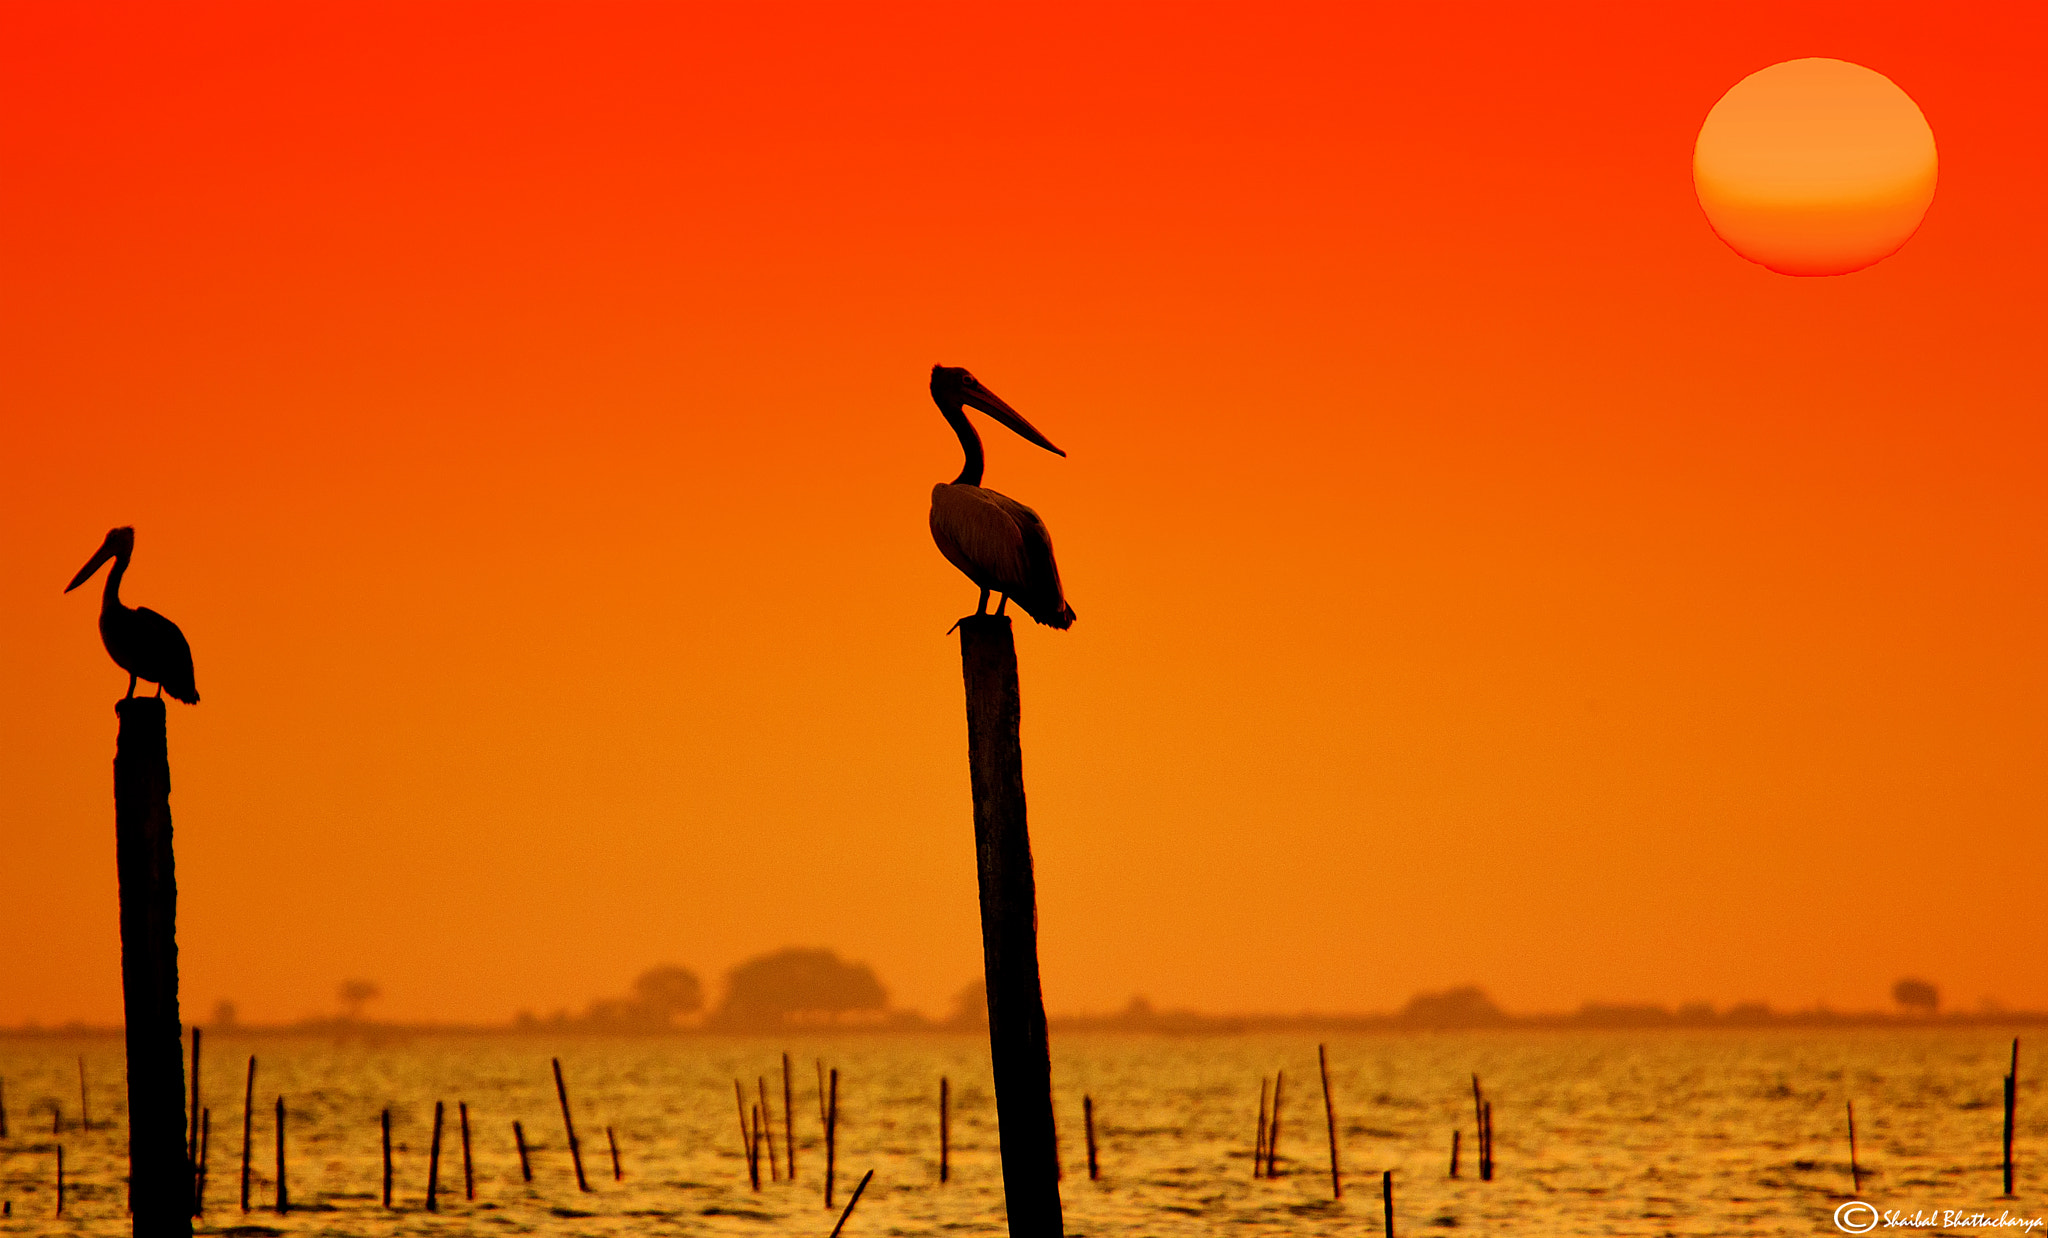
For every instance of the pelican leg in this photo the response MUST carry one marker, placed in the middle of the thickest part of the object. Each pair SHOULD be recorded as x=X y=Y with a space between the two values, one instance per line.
x=981 y=607
x=131 y=689
x=1003 y=605
x=159 y=692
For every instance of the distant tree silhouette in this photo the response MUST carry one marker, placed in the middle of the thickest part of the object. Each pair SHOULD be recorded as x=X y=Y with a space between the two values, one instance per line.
x=1917 y=995
x=796 y=986
x=1465 y=1006
x=355 y=994
x=970 y=1006
x=669 y=991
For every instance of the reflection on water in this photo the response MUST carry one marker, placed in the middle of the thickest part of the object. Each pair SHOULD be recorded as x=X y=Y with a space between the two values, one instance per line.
x=1596 y=1133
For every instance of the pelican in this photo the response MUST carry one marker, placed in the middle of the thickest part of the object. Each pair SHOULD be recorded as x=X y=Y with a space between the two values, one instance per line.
x=998 y=542
x=141 y=642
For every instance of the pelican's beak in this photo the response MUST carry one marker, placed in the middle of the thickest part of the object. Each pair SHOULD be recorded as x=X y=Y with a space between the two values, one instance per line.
x=974 y=395
x=105 y=552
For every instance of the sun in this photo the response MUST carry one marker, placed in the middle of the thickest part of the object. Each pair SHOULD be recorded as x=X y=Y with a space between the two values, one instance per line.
x=1815 y=167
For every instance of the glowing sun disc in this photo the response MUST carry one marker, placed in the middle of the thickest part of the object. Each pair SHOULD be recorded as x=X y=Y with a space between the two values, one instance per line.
x=1815 y=167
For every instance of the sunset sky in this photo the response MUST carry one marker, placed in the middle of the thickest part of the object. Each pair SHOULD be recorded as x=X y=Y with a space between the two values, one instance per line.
x=1483 y=573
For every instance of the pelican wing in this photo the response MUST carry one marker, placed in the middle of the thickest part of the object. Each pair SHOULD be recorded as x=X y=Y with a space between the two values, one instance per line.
x=1039 y=590
x=161 y=647
x=980 y=537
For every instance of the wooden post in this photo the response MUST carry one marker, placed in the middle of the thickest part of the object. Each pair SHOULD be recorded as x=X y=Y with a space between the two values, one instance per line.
x=248 y=1105
x=1088 y=1125
x=192 y=1142
x=1009 y=930
x=284 y=1199
x=2012 y=1097
x=760 y=1120
x=851 y=1202
x=821 y=1094
x=1387 y=1198
x=85 y=1109
x=1273 y=1129
x=1855 y=1171
x=768 y=1129
x=159 y=1163
x=1259 y=1147
x=1479 y=1125
x=57 y=1118
x=434 y=1164
x=569 y=1123
x=468 y=1175
x=1330 y=1112
x=945 y=1132
x=205 y=1138
x=1454 y=1154
x=3 y=1108
x=749 y=1144
x=788 y=1120
x=60 y=1180
x=1486 y=1145
x=618 y=1175
x=831 y=1137
x=387 y=1158
x=525 y=1166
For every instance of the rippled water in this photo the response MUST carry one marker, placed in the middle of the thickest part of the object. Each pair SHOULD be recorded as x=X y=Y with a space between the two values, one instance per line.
x=1596 y=1133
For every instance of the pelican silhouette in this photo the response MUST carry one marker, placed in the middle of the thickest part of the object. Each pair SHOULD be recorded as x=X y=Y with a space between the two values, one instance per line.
x=998 y=542
x=141 y=642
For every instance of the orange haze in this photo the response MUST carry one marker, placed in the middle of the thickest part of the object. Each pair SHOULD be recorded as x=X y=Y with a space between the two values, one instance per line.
x=1483 y=573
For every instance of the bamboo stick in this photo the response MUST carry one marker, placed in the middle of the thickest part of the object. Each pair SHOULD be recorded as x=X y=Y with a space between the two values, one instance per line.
x=434 y=1164
x=768 y=1129
x=832 y=1138
x=1486 y=1146
x=525 y=1165
x=788 y=1119
x=205 y=1138
x=284 y=1199
x=468 y=1176
x=851 y=1202
x=1273 y=1129
x=747 y=1141
x=85 y=1109
x=2012 y=1098
x=192 y=1142
x=1088 y=1124
x=386 y=1122
x=248 y=1109
x=945 y=1133
x=1259 y=1147
x=1330 y=1112
x=569 y=1123
x=618 y=1174
x=60 y=1179
x=1855 y=1171
x=1454 y=1154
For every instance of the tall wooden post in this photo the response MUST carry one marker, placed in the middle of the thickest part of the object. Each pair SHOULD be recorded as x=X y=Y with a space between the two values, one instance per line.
x=1009 y=930
x=160 y=1168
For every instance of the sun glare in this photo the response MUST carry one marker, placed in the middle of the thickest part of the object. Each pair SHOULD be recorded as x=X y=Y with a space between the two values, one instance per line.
x=1815 y=167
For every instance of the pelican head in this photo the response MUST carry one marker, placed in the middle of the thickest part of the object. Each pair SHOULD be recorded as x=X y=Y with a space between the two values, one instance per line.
x=120 y=544
x=953 y=387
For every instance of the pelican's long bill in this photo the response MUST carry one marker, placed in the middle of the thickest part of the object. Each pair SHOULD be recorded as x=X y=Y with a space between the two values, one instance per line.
x=974 y=395
x=104 y=553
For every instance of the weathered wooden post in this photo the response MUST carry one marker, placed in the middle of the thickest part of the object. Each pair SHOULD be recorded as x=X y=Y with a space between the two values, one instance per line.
x=387 y=1159
x=945 y=1132
x=159 y=1165
x=1009 y=930
x=469 y=1174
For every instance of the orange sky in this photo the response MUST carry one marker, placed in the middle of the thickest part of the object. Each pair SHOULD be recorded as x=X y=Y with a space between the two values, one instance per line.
x=1483 y=573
